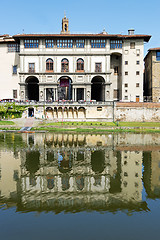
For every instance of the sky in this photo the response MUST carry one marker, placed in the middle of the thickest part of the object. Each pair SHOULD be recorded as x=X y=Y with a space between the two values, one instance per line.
x=85 y=16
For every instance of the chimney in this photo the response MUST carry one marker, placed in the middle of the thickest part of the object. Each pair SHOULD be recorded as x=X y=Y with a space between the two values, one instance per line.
x=131 y=31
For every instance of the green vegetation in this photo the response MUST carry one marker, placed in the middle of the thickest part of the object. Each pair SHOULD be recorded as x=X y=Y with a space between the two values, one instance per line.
x=11 y=110
x=3 y=122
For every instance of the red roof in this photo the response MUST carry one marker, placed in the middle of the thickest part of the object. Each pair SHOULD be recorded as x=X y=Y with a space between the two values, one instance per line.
x=154 y=49
x=145 y=37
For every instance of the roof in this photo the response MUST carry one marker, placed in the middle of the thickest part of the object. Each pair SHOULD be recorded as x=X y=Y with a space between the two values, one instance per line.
x=102 y=35
x=6 y=38
x=150 y=50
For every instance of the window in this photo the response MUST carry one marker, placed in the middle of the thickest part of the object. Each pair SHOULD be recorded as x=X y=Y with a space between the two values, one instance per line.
x=14 y=93
x=49 y=65
x=64 y=43
x=137 y=62
x=115 y=44
x=138 y=52
x=13 y=47
x=31 y=43
x=79 y=43
x=98 y=43
x=64 y=65
x=80 y=64
x=137 y=98
x=126 y=73
x=126 y=84
x=116 y=70
x=31 y=67
x=132 y=45
x=137 y=84
x=126 y=62
x=137 y=72
x=126 y=97
x=126 y=52
x=115 y=93
x=98 y=67
x=49 y=43
x=158 y=56
x=126 y=91
x=15 y=69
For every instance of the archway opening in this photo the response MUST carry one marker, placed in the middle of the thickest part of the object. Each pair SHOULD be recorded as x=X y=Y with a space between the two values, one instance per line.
x=32 y=88
x=65 y=88
x=98 y=89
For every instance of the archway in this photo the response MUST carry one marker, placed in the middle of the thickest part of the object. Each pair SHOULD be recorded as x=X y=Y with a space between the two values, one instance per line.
x=98 y=89
x=65 y=88
x=32 y=88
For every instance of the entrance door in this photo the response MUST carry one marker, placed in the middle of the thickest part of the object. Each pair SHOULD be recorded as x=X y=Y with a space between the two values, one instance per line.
x=30 y=112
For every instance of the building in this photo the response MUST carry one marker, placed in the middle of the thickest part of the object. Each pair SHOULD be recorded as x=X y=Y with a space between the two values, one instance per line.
x=50 y=67
x=152 y=75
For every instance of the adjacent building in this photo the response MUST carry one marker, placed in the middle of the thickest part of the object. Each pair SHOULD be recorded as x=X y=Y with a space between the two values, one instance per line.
x=152 y=75
x=51 y=67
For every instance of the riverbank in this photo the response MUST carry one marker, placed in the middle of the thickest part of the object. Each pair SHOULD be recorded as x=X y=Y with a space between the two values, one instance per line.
x=96 y=127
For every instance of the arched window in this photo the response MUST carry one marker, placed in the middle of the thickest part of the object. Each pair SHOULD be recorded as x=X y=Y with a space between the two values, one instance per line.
x=80 y=64
x=64 y=65
x=49 y=65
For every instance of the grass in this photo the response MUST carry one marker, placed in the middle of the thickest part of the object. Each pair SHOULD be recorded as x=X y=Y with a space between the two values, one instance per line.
x=3 y=122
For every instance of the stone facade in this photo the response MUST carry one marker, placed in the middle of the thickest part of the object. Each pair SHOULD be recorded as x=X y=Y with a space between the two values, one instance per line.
x=101 y=67
x=152 y=75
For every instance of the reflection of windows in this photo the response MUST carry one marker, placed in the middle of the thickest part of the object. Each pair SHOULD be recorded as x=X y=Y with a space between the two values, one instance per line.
x=15 y=175
x=49 y=65
x=98 y=67
x=65 y=183
x=115 y=44
x=80 y=182
x=50 y=182
x=64 y=65
x=98 y=43
x=31 y=67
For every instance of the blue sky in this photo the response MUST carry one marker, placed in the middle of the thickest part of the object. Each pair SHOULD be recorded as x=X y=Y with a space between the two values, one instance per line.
x=85 y=16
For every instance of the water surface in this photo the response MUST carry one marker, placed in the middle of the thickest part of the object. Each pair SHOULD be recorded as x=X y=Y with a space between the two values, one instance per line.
x=79 y=186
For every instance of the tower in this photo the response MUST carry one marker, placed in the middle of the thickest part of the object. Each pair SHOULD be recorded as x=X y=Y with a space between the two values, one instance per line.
x=65 y=24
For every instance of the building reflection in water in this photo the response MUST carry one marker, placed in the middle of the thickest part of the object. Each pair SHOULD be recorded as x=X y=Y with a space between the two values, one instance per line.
x=72 y=173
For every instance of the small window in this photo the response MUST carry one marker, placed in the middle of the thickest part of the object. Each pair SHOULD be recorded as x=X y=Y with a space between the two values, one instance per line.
x=99 y=108
x=31 y=67
x=126 y=91
x=137 y=84
x=115 y=93
x=49 y=65
x=126 y=73
x=126 y=84
x=126 y=97
x=98 y=67
x=132 y=45
x=137 y=73
x=64 y=65
x=158 y=56
x=126 y=62
x=138 y=52
x=137 y=98
x=14 y=93
x=116 y=70
x=15 y=69
x=137 y=62
x=80 y=64
x=80 y=43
